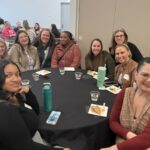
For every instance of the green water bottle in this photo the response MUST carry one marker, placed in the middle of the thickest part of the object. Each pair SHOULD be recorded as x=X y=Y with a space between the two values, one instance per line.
x=47 y=97
x=101 y=77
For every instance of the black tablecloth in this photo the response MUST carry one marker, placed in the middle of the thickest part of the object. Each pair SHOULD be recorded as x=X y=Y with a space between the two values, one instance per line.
x=75 y=128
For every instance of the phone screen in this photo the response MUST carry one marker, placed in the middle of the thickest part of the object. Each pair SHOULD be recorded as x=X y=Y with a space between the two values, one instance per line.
x=53 y=117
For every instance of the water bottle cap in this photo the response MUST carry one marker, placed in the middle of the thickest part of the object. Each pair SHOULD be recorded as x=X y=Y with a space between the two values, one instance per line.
x=102 y=68
x=46 y=83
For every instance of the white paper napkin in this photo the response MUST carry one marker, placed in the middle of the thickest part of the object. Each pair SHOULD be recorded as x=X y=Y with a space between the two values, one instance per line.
x=69 y=68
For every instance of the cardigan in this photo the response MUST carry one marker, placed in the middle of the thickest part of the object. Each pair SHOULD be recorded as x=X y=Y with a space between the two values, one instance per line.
x=125 y=73
x=141 y=141
x=17 y=55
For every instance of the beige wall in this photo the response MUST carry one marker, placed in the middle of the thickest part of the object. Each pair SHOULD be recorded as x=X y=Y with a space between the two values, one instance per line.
x=99 y=18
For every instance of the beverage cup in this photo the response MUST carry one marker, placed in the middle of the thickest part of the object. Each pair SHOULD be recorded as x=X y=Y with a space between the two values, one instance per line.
x=94 y=95
x=35 y=76
x=78 y=75
x=101 y=77
x=62 y=70
x=25 y=82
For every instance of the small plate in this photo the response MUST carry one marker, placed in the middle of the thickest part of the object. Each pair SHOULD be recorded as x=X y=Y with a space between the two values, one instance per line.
x=43 y=72
x=98 y=110
x=94 y=74
x=113 y=89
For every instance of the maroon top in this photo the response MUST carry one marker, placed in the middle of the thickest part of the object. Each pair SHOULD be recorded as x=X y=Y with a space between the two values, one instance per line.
x=140 y=142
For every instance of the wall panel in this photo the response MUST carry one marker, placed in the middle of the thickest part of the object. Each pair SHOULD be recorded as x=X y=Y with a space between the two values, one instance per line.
x=99 y=18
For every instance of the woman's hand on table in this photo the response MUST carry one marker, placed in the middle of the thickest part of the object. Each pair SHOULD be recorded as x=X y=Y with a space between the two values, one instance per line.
x=114 y=147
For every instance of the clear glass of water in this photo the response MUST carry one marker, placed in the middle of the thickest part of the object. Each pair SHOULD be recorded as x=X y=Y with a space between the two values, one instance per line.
x=25 y=82
x=78 y=75
x=94 y=95
x=62 y=70
x=35 y=76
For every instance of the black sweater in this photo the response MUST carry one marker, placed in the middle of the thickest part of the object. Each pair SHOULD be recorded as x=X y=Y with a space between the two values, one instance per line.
x=18 y=124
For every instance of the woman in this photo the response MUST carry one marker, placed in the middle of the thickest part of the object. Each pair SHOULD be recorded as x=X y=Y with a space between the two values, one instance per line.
x=18 y=26
x=130 y=116
x=18 y=111
x=55 y=31
x=37 y=28
x=120 y=37
x=67 y=53
x=125 y=70
x=98 y=57
x=23 y=53
x=3 y=50
x=29 y=30
x=45 y=44
x=7 y=31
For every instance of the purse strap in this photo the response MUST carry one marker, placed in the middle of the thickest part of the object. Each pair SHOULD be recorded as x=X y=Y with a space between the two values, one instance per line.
x=66 y=49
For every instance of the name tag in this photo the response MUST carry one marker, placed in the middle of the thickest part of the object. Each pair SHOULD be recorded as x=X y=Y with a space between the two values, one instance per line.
x=126 y=76
x=27 y=106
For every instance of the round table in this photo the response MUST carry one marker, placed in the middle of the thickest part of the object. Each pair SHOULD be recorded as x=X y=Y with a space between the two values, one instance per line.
x=72 y=98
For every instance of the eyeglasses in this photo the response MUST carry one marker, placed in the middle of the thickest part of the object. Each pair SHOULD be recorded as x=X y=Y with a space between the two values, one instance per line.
x=117 y=36
x=145 y=76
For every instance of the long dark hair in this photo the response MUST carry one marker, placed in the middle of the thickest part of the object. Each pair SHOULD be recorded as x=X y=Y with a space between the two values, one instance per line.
x=145 y=60
x=3 y=63
x=91 y=55
x=55 y=31
x=51 y=41
x=17 y=39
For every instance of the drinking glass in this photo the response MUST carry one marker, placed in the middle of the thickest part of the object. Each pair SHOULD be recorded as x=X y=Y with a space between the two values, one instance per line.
x=35 y=76
x=25 y=82
x=78 y=75
x=62 y=70
x=94 y=95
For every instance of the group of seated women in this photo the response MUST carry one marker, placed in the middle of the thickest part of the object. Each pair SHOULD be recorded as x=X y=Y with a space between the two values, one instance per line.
x=44 y=52
x=130 y=116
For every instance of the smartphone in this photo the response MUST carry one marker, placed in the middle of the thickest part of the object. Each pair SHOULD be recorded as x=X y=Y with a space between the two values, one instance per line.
x=109 y=83
x=53 y=117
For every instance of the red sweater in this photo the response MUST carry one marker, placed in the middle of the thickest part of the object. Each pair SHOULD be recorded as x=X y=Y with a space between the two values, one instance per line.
x=140 y=142
x=72 y=58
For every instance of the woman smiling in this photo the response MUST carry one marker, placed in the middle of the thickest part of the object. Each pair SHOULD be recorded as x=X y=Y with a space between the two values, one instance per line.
x=130 y=116
x=19 y=111
x=125 y=71
x=23 y=53
x=98 y=57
